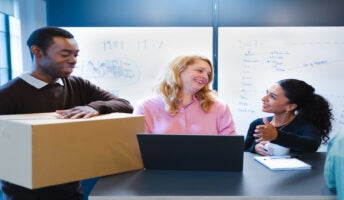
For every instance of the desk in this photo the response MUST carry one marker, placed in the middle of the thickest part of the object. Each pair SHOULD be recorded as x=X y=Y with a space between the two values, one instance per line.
x=254 y=182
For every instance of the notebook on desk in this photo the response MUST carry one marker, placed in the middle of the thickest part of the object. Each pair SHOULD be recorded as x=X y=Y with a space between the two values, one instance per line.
x=192 y=152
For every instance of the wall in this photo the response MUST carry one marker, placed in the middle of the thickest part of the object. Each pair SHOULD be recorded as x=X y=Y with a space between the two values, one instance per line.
x=251 y=59
x=176 y=13
x=31 y=15
x=281 y=13
x=195 y=13
x=129 y=13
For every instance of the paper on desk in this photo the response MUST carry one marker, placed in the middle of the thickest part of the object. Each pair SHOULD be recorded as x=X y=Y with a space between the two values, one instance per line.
x=282 y=163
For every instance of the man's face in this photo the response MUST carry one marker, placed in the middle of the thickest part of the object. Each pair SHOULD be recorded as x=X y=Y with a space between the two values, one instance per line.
x=59 y=59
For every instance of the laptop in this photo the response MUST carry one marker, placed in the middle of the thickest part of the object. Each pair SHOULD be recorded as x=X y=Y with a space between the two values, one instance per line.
x=192 y=152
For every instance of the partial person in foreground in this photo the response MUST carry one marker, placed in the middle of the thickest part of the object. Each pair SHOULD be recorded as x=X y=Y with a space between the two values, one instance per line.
x=334 y=165
x=301 y=119
x=51 y=88
x=185 y=103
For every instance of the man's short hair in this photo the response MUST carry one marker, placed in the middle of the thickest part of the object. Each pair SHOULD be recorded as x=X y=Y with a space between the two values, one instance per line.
x=43 y=37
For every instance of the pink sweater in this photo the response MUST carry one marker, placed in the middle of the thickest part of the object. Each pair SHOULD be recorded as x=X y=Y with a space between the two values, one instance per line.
x=191 y=119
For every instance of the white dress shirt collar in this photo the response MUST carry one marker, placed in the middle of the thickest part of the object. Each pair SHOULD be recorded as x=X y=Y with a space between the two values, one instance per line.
x=36 y=82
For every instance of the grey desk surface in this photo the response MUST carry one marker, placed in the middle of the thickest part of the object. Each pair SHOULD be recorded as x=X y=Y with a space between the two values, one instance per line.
x=254 y=182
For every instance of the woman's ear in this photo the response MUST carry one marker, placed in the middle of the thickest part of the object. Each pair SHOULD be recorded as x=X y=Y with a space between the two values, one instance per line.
x=291 y=106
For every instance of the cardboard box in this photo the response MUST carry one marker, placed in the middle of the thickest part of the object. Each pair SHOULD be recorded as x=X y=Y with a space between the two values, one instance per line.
x=38 y=150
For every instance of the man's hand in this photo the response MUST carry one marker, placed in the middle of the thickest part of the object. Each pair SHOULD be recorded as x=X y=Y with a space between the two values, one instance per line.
x=77 y=112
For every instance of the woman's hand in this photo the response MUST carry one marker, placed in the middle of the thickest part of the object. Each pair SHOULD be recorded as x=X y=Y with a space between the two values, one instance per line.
x=266 y=132
x=259 y=148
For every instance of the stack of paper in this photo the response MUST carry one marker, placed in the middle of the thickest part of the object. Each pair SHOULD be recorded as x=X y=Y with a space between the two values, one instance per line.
x=282 y=163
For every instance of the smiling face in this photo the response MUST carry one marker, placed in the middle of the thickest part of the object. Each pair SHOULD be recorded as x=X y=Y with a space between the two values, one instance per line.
x=275 y=101
x=58 y=60
x=195 y=76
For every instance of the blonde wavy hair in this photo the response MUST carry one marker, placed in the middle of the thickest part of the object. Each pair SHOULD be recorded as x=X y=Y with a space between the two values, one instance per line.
x=171 y=88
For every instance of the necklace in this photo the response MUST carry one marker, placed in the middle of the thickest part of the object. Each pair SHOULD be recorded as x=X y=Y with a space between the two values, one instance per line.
x=284 y=124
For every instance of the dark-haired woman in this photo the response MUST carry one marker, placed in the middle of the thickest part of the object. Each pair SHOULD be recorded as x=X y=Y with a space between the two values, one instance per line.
x=301 y=119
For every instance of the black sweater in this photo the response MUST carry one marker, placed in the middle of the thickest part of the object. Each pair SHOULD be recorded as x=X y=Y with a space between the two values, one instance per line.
x=18 y=97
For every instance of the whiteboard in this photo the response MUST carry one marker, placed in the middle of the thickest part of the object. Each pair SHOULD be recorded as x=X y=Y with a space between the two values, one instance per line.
x=251 y=59
x=129 y=61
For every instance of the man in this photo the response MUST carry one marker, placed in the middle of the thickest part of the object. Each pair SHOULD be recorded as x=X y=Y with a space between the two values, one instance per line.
x=51 y=88
x=334 y=165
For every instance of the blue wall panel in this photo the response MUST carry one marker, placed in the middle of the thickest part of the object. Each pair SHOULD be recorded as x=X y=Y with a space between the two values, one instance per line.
x=281 y=13
x=195 y=13
x=129 y=13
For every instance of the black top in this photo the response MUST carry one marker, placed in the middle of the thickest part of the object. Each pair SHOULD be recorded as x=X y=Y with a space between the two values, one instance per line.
x=299 y=135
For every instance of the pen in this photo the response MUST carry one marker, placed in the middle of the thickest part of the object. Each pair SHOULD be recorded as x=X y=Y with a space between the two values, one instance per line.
x=279 y=157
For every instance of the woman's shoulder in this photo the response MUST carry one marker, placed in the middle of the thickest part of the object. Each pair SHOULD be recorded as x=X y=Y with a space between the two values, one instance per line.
x=218 y=103
x=149 y=104
x=259 y=121
x=219 y=106
x=336 y=144
x=300 y=124
x=152 y=100
x=301 y=121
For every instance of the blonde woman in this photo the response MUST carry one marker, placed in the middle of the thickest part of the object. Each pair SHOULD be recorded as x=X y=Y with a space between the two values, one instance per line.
x=185 y=102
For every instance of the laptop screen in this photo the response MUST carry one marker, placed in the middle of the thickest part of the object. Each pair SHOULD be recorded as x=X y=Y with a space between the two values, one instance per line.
x=192 y=152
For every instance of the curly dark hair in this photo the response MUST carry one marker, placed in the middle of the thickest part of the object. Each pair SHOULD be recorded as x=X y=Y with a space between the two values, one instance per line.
x=310 y=106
